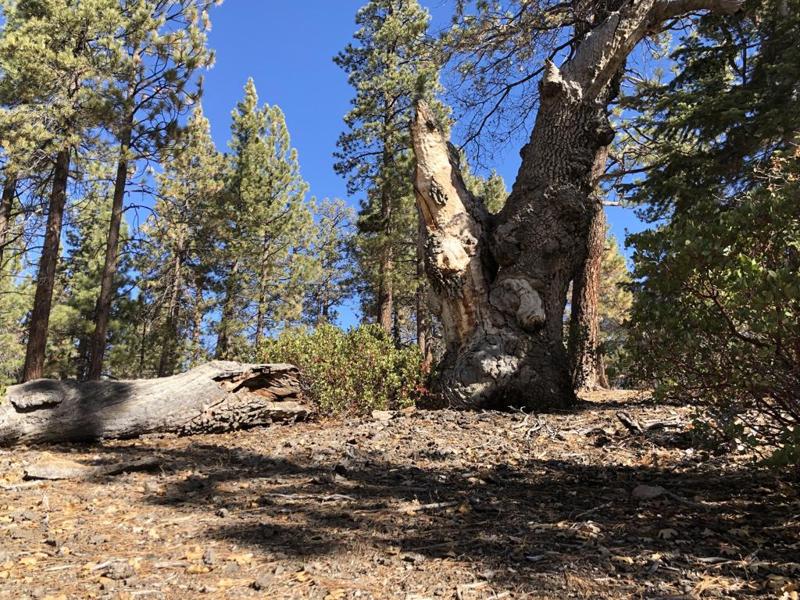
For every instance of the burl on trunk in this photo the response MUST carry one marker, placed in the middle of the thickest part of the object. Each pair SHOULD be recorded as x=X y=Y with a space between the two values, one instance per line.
x=501 y=281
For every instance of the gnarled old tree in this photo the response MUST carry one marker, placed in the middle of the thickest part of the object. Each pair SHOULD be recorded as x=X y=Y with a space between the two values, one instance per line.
x=501 y=281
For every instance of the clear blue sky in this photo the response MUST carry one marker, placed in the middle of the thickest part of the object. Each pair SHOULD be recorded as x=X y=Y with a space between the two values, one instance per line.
x=287 y=46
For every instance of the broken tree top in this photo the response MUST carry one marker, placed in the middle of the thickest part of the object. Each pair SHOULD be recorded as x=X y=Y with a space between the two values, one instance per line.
x=212 y=398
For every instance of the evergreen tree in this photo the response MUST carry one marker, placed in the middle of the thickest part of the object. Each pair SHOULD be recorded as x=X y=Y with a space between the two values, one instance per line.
x=388 y=68
x=264 y=225
x=15 y=300
x=715 y=312
x=330 y=283
x=179 y=240
x=78 y=280
x=613 y=311
x=164 y=44
x=55 y=56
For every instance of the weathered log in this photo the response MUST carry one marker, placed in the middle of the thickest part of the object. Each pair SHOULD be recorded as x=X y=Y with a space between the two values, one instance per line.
x=212 y=398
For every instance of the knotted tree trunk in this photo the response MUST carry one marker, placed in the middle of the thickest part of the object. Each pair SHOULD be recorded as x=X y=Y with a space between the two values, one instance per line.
x=502 y=281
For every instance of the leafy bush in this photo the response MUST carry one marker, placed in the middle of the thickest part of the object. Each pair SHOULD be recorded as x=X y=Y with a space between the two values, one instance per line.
x=352 y=371
x=717 y=311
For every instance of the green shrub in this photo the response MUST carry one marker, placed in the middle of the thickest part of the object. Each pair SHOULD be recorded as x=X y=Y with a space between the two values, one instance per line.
x=352 y=371
x=716 y=317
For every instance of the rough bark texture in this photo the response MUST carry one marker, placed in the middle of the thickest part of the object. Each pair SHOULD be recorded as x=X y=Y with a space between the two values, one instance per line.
x=46 y=278
x=167 y=362
x=502 y=282
x=6 y=214
x=103 y=309
x=215 y=397
x=586 y=364
x=386 y=270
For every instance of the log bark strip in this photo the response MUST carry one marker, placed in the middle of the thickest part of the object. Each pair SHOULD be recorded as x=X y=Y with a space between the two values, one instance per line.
x=212 y=398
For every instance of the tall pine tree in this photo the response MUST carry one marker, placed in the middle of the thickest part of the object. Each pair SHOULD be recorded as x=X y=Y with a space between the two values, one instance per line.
x=388 y=67
x=263 y=224
x=178 y=242
x=56 y=56
x=164 y=44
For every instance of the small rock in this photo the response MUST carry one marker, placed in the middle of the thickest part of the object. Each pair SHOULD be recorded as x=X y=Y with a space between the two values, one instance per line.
x=153 y=488
x=382 y=415
x=119 y=569
x=414 y=557
x=648 y=492
x=26 y=535
x=223 y=512
x=107 y=584
x=262 y=582
x=209 y=557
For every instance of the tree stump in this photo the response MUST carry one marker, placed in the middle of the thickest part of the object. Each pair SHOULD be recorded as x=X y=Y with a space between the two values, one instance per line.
x=213 y=398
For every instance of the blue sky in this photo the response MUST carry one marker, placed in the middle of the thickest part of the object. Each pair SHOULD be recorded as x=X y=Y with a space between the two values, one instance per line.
x=287 y=47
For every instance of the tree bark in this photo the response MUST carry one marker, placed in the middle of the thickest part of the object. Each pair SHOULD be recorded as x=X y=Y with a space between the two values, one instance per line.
x=224 y=336
x=103 y=310
x=424 y=341
x=197 y=318
x=212 y=398
x=45 y=280
x=6 y=215
x=168 y=360
x=502 y=282
x=386 y=269
x=584 y=341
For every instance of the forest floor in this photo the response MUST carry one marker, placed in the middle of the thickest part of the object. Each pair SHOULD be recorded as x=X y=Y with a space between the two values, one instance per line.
x=409 y=505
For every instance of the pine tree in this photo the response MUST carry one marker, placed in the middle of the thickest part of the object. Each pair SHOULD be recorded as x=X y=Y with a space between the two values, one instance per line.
x=55 y=56
x=179 y=240
x=77 y=284
x=15 y=299
x=388 y=68
x=715 y=311
x=79 y=276
x=264 y=224
x=613 y=311
x=330 y=283
x=164 y=44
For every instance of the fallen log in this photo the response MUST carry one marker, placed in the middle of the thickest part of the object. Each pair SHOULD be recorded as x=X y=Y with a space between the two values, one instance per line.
x=213 y=398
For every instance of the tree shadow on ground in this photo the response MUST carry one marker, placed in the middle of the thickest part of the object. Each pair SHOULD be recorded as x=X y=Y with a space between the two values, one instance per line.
x=533 y=524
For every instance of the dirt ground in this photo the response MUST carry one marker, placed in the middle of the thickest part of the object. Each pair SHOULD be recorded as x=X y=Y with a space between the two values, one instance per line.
x=409 y=505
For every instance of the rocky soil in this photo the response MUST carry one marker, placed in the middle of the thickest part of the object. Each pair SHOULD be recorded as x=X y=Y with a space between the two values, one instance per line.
x=405 y=505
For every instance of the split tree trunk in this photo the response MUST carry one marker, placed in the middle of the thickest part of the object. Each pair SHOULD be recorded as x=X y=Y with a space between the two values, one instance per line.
x=212 y=398
x=46 y=278
x=502 y=281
